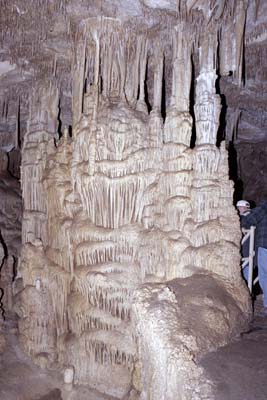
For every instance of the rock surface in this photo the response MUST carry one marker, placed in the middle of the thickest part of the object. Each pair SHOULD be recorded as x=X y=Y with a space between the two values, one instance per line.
x=179 y=321
x=235 y=372
x=117 y=111
x=238 y=371
x=20 y=379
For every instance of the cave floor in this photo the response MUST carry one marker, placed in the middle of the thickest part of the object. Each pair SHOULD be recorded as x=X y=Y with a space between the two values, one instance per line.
x=238 y=370
x=20 y=379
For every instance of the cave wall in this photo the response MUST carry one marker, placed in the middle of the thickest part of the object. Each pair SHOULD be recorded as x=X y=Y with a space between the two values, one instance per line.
x=10 y=234
x=252 y=167
x=246 y=111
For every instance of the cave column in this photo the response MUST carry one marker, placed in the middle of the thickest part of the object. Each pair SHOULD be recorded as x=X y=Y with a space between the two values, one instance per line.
x=38 y=327
x=158 y=78
x=206 y=155
x=155 y=117
x=78 y=82
x=178 y=125
x=208 y=104
x=141 y=103
x=212 y=191
x=182 y=72
x=41 y=132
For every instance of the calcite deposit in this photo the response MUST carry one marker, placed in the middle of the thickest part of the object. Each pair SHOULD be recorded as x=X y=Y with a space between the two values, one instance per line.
x=177 y=322
x=130 y=261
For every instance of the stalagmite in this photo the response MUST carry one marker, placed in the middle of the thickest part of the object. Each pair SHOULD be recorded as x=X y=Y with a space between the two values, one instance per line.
x=124 y=210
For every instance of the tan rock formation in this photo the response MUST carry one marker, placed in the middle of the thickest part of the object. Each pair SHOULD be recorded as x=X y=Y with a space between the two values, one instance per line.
x=130 y=260
x=177 y=322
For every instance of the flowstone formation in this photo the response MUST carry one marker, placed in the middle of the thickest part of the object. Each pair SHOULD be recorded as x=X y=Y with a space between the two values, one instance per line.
x=121 y=205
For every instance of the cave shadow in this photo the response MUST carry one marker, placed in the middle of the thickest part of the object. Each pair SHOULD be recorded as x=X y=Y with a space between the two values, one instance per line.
x=222 y=121
x=163 y=94
x=147 y=101
x=233 y=173
x=222 y=117
x=191 y=105
x=2 y=310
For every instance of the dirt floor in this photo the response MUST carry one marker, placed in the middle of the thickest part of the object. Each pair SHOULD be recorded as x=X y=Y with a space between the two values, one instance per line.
x=20 y=379
x=238 y=370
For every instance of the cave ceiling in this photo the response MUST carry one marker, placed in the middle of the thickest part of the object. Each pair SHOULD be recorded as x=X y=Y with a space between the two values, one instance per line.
x=38 y=38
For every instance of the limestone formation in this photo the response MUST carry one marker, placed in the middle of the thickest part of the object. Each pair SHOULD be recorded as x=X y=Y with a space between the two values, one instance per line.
x=130 y=264
x=177 y=322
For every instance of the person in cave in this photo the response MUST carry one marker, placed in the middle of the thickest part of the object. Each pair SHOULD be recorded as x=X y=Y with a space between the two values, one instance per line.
x=258 y=217
x=243 y=207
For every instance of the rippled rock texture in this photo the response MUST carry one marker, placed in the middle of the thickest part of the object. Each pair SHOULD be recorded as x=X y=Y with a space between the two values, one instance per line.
x=125 y=187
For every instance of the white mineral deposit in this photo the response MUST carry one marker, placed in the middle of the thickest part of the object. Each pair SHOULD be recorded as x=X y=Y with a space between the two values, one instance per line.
x=121 y=254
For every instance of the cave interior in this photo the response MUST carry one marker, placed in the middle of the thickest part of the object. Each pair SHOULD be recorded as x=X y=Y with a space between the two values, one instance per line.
x=128 y=131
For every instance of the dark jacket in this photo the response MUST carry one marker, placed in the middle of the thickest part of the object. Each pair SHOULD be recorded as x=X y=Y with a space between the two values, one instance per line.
x=258 y=218
x=245 y=245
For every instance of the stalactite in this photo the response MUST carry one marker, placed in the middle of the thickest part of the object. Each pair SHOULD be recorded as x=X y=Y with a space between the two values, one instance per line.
x=125 y=200
x=141 y=105
x=78 y=71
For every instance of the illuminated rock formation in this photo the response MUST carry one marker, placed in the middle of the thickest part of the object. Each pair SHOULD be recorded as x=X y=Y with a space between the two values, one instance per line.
x=119 y=212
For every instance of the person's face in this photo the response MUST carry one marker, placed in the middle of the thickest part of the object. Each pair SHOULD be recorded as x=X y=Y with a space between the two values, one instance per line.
x=242 y=209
